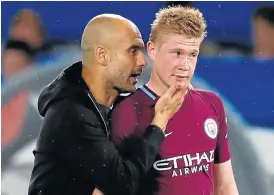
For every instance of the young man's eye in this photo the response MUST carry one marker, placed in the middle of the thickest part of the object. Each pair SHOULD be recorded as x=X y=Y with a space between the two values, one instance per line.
x=178 y=53
x=193 y=55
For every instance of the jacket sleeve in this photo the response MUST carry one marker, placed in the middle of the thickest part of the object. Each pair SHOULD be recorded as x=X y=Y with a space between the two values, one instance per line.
x=95 y=155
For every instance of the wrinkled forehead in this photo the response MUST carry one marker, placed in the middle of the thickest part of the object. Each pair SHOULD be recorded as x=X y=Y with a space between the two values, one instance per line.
x=180 y=41
x=131 y=37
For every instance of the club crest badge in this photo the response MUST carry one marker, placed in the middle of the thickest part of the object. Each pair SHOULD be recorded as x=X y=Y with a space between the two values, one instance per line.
x=211 y=128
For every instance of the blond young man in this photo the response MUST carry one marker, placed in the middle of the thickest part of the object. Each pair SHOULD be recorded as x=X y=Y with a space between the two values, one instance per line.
x=194 y=159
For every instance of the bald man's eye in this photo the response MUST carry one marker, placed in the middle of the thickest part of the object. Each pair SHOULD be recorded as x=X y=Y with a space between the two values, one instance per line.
x=133 y=51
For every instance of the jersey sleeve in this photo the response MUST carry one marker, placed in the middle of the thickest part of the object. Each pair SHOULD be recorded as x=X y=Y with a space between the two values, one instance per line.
x=222 y=153
x=123 y=121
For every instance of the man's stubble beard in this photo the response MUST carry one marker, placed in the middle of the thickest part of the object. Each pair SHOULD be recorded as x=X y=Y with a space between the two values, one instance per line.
x=123 y=83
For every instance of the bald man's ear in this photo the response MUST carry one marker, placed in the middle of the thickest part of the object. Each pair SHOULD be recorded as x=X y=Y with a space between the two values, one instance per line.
x=101 y=55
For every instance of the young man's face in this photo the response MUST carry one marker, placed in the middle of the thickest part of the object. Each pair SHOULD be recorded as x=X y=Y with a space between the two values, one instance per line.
x=174 y=60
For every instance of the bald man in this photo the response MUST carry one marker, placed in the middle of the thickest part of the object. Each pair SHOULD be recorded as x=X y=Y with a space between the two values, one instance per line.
x=74 y=154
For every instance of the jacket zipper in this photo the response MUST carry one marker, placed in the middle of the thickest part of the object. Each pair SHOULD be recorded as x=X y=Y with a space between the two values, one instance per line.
x=106 y=128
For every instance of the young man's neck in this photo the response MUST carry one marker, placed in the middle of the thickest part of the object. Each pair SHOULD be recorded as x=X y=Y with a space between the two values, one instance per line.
x=102 y=92
x=156 y=86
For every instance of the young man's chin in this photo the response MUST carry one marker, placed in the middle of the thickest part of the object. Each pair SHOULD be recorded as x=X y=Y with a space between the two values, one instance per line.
x=184 y=83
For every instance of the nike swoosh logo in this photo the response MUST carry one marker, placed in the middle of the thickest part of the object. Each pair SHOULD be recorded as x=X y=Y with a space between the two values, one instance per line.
x=168 y=134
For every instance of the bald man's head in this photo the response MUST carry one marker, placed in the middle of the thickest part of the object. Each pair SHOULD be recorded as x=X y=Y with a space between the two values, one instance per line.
x=104 y=31
x=113 y=52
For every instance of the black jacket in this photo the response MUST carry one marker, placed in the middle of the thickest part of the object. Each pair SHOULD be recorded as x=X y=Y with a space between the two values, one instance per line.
x=74 y=153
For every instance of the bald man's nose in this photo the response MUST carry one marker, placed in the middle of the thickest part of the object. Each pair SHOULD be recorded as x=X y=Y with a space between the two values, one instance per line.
x=142 y=61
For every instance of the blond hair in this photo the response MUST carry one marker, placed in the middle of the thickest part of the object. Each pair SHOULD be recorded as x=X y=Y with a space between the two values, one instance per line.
x=185 y=21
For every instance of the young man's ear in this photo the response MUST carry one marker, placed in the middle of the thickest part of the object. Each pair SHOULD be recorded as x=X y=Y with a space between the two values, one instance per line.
x=151 y=50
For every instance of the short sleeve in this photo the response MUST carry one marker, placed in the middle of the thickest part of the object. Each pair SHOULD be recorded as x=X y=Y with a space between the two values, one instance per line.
x=222 y=153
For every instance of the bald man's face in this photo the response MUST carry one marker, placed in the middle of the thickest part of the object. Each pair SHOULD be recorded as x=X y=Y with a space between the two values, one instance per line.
x=127 y=61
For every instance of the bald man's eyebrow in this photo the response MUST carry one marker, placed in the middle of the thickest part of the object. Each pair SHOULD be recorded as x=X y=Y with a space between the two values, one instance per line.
x=135 y=47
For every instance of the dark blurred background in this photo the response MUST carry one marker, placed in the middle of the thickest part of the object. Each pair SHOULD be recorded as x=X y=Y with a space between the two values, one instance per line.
x=39 y=39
